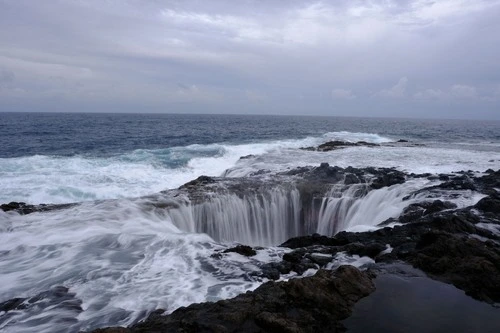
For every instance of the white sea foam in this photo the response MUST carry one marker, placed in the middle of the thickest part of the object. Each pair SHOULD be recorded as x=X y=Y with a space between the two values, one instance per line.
x=409 y=159
x=124 y=260
x=119 y=259
x=55 y=179
x=49 y=179
x=356 y=137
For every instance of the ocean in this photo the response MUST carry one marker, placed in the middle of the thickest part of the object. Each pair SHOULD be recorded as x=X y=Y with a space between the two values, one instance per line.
x=121 y=257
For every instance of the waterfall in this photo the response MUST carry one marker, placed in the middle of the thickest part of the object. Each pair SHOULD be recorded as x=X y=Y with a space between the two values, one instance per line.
x=357 y=206
x=337 y=206
x=269 y=217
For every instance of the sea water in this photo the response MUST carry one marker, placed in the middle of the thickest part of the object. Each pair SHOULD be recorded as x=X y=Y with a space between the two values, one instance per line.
x=122 y=260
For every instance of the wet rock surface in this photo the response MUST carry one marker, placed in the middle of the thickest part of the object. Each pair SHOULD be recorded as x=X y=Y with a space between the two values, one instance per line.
x=337 y=144
x=447 y=243
x=24 y=208
x=244 y=250
x=311 y=304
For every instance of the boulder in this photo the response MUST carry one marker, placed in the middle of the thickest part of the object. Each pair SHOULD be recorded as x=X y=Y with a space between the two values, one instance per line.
x=244 y=250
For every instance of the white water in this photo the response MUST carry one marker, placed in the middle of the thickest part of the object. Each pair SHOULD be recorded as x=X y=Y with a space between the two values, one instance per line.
x=119 y=259
x=49 y=179
x=124 y=258
x=268 y=218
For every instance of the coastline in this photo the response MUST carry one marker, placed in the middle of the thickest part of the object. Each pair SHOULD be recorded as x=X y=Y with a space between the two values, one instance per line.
x=455 y=245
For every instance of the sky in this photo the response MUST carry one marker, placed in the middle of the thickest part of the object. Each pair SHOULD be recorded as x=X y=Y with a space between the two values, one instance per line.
x=377 y=58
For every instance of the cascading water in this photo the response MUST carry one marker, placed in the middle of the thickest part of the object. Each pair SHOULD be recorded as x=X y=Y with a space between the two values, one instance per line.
x=336 y=207
x=270 y=217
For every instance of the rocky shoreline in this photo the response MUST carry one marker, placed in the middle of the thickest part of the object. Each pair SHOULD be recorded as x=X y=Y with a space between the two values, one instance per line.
x=457 y=246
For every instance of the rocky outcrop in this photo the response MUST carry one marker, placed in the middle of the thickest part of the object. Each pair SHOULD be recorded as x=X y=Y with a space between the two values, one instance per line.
x=244 y=250
x=313 y=304
x=24 y=208
x=449 y=244
x=444 y=245
x=420 y=209
x=337 y=144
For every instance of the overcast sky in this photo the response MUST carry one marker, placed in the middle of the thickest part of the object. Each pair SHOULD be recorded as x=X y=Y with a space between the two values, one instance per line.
x=407 y=58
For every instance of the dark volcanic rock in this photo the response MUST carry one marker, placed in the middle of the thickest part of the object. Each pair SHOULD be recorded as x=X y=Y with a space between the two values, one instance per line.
x=331 y=145
x=441 y=240
x=12 y=304
x=312 y=304
x=24 y=208
x=388 y=178
x=489 y=204
x=439 y=244
x=315 y=239
x=417 y=210
x=336 y=144
x=201 y=180
x=244 y=250
x=246 y=157
x=468 y=263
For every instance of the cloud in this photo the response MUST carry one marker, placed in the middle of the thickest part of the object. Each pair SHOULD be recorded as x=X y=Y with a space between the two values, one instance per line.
x=463 y=91
x=255 y=96
x=6 y=76
x=342 y=94
x=6 y=79
x=396 y=91
x=456 y=92
x=228 y=53
x=429 y=94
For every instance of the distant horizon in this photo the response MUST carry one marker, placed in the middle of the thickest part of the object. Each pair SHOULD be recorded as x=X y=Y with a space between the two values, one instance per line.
x=243 y=115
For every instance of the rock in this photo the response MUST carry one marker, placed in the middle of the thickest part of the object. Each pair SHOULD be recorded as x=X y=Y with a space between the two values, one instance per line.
x=246 y=157
x=273 y=270
x=369 y=250
x=389 y=178
x=368 y=144
x=305 y=241
x=417 y=210
x=467 y=263
x=201 y=180
x=462 y=182
x=402 y=140
x=437 y=243
x=489 y=204
x=308 y=148
x=312 y=304
x=337 y=144
x=244 y=250
x=24 y=208
x=12 y=304
x=441 y=240
x=351 y=178
x=438 y=205
x=332 y=145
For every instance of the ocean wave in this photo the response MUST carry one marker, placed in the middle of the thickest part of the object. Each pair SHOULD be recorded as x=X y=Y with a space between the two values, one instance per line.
x=62 y=179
